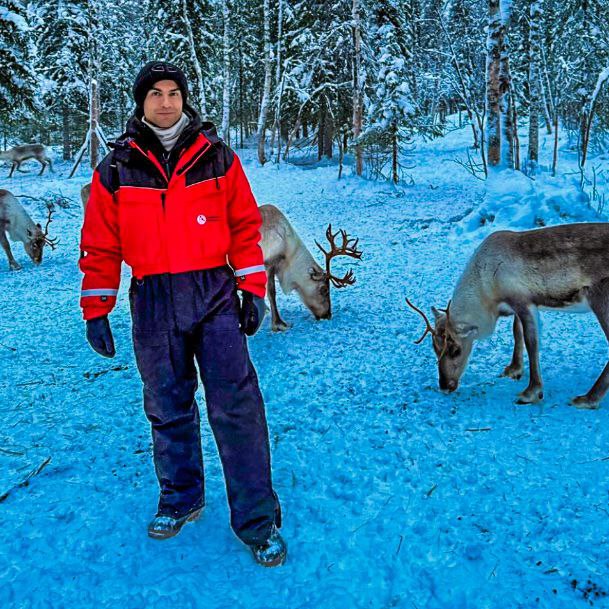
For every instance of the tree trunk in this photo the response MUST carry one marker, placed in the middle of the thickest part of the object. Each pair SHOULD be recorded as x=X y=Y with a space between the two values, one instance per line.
x=67 y=144
x=225 y=74
x=195 y=61
x=93 y=120
x=535 y=13
x=241 y=117
x=555 y=153
x=328 y=134
x=357 y=89
x=494 y=47
x=321 y=128
x=515 y=139
x=508 y=101
x=394 y=154
x=266 y=94
x=278 y=81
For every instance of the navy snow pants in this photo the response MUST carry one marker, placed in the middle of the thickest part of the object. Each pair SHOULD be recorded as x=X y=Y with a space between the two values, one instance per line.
x=178 y=319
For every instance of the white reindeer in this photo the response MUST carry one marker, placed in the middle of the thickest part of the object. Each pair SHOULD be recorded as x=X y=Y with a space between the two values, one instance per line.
x=18 y=154
x=516 y=273
x=15 y=221
x=287 y=258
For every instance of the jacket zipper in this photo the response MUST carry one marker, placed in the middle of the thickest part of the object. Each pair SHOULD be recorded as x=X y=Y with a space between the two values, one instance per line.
x=166 y=164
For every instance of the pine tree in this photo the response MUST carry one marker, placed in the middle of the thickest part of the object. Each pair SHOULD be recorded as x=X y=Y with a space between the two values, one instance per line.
x=391 y=109
x=18 y=85
x=62 y=59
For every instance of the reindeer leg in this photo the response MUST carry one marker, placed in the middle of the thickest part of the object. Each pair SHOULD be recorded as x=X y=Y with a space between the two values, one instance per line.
x=12 y=263
x=534 y=391
x=42 y=168
x=599 y=303
x=516 y=366
x=13 y=167
x=277 y=324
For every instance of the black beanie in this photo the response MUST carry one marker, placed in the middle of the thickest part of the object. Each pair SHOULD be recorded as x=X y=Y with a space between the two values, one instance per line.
x=151 y=73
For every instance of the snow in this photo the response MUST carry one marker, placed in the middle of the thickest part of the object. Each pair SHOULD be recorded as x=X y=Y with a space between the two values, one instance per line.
x=600 y=81
x=394 y=494
x=11 y=17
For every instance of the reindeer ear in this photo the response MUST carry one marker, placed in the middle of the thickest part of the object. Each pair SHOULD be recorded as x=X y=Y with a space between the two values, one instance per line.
x=436 y=313
x=466 y=331
x=39 y=226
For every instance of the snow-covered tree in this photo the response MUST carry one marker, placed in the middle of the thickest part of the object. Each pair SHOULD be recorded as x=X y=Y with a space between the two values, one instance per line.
x=62 y=40
x=391 y=107
x=18 y=83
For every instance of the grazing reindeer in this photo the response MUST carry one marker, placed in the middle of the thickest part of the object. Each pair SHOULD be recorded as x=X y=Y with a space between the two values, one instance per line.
x=18 y=154
x=286 y=257
x=15 y=221
x=561 y=267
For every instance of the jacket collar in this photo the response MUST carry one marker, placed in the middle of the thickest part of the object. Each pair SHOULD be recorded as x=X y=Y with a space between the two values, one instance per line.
x=138 y=132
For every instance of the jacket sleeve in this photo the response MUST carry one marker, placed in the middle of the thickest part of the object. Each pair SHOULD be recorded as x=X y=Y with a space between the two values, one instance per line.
x=244 y=219
x=100 y=252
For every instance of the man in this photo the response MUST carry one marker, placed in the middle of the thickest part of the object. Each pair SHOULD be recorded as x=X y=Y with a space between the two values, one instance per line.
x=173 y=202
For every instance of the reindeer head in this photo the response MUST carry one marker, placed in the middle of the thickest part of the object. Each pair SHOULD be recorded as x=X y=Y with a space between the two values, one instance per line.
x=316 y=293
x=452 y=343
x=37 y=239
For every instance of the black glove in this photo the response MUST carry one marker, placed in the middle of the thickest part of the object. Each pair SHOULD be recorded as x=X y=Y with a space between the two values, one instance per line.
x=99 y=336
x=252 y=312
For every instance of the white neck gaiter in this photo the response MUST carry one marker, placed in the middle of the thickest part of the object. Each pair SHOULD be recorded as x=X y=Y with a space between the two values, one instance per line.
x=168 y=137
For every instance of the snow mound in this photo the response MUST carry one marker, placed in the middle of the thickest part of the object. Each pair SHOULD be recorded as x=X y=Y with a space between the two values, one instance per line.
x=514 y=201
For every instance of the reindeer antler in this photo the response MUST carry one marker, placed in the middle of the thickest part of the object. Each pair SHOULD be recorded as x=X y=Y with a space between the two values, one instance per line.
x=51 y=242
x=348 y=247
x=428 y=330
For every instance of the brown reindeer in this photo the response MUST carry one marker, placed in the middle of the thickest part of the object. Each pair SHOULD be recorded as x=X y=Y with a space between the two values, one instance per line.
x=287 y=258
x=18 y=154
x=517 y=273
x=15 y=221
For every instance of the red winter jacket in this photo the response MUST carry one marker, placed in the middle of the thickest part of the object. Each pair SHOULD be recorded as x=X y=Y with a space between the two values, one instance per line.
x=197 y=215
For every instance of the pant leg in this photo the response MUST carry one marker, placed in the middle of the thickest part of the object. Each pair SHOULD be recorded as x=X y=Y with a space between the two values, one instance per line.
x=236 y=415
x=165 y=359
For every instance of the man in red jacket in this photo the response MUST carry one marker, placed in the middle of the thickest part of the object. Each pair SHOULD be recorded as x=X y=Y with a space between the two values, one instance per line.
x=173 y=202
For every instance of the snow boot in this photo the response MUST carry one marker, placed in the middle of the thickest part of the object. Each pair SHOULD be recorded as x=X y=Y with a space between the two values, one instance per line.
x=272 y=552
x=164 y=526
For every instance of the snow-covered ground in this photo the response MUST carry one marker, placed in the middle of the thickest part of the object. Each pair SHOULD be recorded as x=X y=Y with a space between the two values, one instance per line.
x=394 y=494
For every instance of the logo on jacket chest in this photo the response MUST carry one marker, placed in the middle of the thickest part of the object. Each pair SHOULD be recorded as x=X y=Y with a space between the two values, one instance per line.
x=204 y=219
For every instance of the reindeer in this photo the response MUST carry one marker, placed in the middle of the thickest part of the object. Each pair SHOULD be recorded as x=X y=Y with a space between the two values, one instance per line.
x=18 y=154
x=15 y=221
x=286 y=257
x=517 y=273
x=85 y=192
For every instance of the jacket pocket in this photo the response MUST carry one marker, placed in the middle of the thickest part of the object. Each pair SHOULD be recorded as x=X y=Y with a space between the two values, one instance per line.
x=140 y=220
x=206 y=223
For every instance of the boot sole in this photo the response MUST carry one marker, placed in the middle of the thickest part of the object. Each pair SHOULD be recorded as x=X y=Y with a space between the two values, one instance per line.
x=275 y=563
x=167 y=534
